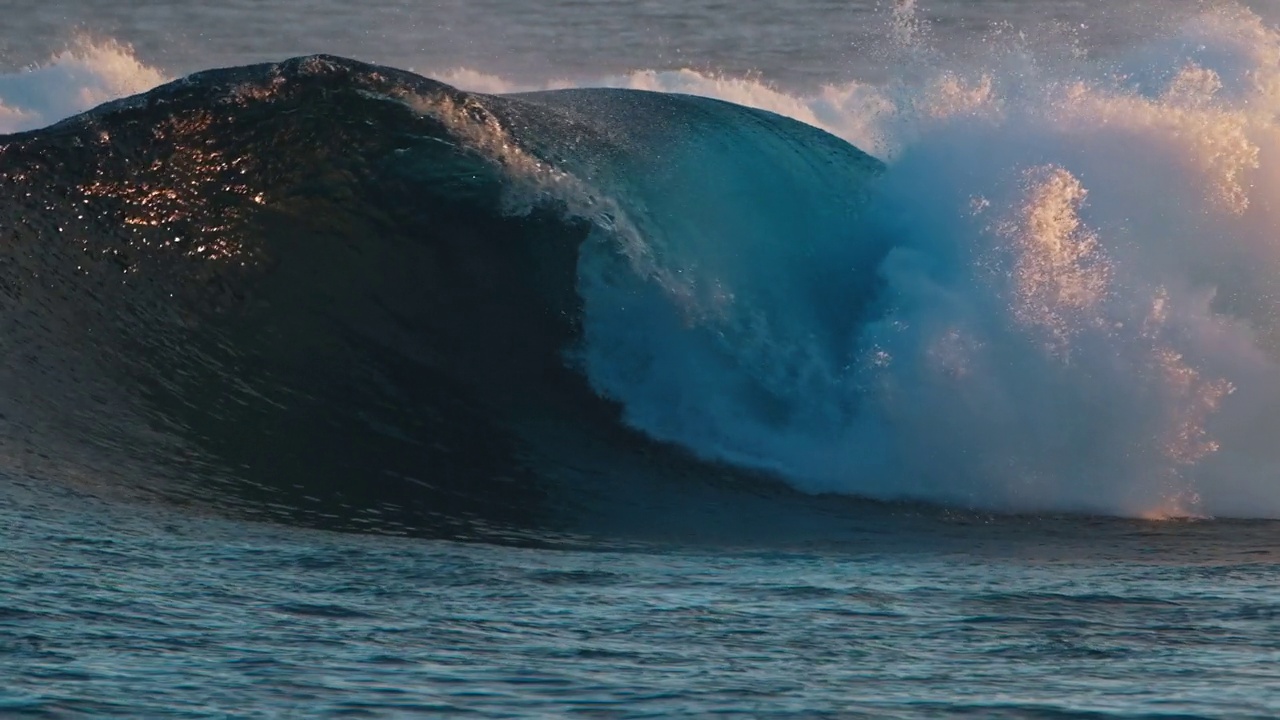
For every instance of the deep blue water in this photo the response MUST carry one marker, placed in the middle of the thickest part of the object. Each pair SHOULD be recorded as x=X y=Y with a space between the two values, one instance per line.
x=111 y=611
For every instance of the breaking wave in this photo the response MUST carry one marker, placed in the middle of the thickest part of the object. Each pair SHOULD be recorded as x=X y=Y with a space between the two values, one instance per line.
x=1056 y=293
x=86 y=74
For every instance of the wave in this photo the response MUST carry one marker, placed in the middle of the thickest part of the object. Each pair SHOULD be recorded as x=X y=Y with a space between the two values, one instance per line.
x=359 y=282
x=1054 y=293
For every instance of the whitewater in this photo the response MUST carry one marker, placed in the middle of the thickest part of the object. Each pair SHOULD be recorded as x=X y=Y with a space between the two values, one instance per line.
x=912 y=359
x=1078 y=310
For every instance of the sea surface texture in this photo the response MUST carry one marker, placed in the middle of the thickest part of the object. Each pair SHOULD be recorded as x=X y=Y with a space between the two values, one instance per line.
x=639 y=359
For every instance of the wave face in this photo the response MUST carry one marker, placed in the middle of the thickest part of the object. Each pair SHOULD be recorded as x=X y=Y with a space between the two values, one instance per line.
x=1054 y=294
x=353 y=284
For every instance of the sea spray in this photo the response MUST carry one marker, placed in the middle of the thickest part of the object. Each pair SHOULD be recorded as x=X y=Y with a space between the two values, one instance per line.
x=87 y=73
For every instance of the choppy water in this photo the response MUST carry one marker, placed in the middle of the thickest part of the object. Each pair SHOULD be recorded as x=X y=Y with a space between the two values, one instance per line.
x=1106 y=145
x=108 y=611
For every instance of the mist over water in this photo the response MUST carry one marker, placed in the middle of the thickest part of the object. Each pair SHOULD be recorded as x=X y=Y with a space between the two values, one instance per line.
x=813 y=42
x=1074 y=307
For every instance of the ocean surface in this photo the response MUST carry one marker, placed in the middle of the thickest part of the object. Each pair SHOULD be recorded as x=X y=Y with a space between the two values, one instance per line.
x=639 y=359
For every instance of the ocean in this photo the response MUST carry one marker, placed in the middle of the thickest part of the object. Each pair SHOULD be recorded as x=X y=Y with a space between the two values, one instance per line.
x=649 y=359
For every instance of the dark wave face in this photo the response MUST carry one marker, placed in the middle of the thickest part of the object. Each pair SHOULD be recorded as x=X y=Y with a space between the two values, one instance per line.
x=355 y=296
